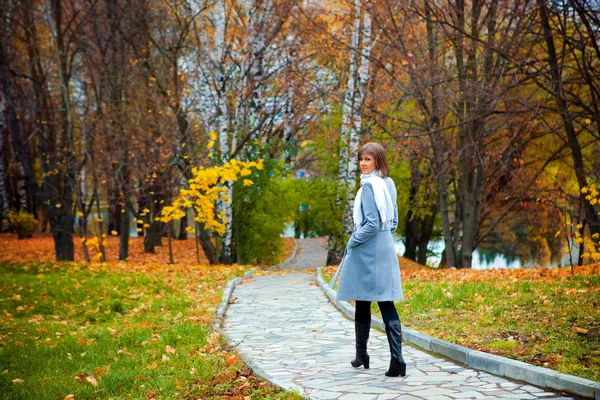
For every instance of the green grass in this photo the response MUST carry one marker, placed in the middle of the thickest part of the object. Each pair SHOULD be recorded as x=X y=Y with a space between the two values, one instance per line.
x=99 y=334
x=532 y=320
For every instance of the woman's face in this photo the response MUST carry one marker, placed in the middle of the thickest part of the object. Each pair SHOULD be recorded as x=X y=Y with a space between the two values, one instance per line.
x=366 y=163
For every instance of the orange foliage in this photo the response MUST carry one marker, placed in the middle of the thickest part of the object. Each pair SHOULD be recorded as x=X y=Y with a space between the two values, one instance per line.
x=471 y=275
x=411 y=270
x=41 y=248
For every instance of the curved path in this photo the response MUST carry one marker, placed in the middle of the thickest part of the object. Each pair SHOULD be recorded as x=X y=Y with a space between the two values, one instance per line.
x=286 y=329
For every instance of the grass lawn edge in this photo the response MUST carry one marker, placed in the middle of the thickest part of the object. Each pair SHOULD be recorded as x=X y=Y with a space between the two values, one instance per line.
x=494 y=364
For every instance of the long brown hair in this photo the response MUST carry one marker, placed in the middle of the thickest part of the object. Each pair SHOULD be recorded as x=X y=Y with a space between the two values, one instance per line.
x=378 y=152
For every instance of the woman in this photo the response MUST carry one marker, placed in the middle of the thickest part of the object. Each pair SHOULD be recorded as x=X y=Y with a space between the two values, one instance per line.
x=371 y=271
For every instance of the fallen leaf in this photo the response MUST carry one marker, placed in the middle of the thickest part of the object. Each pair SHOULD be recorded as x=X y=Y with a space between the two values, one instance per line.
x=230 y=359
x=580 y=331
x=170 y=350
x=69 y=397
x=17 y=381
x=93 y=381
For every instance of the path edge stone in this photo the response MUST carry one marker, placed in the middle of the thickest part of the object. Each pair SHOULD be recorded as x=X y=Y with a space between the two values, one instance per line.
x=220 y=315
x=496 y=365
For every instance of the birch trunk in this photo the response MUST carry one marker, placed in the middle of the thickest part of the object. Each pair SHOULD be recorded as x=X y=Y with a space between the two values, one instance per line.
x=349 y=98
x=223 y=125
x=289 y=101
x=257 y=20
x=351 y=126
x=356 y=114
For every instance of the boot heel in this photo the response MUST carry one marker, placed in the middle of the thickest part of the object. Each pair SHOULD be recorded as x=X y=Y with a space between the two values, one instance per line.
x=402 y=368
x=360 y=361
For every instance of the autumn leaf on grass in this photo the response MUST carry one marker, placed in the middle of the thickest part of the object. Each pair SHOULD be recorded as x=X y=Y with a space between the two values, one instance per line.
x=92 y=380
x=99 y=371
x=82 y=378
x=478 y=298
x=170 y=350
x=580 y=331
x=69 y=397
x=230 y=359
x=17 y=381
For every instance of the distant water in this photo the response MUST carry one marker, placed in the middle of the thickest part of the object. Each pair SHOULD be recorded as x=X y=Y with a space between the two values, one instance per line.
x=483 y=259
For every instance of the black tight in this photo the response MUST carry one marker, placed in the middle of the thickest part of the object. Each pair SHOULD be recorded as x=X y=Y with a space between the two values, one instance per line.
x=363 y=311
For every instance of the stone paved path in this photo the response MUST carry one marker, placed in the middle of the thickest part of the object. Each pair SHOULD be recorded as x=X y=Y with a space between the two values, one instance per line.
x=312 y=253
x=291 y=335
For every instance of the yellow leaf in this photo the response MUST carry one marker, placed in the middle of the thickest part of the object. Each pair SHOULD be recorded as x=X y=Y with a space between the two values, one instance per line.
x=114 y=233
x=58 y=205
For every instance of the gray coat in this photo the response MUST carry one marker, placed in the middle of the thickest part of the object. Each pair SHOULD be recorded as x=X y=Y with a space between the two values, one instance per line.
x=370 y=270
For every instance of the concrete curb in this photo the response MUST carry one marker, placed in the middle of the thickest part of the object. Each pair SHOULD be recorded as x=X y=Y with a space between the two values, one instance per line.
x=501 y=366
x=236 y=281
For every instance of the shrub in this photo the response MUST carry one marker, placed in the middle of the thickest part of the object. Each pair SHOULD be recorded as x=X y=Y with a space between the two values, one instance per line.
x=260 y=214
x=23 y=223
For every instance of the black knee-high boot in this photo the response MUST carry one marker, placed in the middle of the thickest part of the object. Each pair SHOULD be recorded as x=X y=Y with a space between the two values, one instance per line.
x=394 y=336
x=361 y=332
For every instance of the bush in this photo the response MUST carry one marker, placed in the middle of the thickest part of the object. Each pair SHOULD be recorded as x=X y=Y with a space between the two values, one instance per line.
x=23 y=223
x=260 y=214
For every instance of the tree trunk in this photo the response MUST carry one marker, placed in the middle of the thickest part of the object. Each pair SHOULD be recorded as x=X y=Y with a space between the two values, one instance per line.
x=356 y=113
x=155 y=232
x=348 y=105
x=10 y=117
x=183 y=224
x=591 y=213
x=411 y=229
x=62 y=232
x=427 y=224
x=207 y=245
x=65 y=145
x=437 y=142
x=125 y=232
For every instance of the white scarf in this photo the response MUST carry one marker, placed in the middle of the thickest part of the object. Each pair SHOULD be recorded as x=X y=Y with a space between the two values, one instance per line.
x=383 y=199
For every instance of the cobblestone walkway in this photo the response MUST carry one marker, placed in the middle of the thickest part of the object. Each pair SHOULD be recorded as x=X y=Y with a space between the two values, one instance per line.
x=286 y=329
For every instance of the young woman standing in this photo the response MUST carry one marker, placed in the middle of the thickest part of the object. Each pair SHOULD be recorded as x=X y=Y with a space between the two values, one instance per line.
x=371 y=271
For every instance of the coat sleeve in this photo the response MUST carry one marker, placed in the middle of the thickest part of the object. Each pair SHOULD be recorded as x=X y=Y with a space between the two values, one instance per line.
x=370 y=224
x=394 y=198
